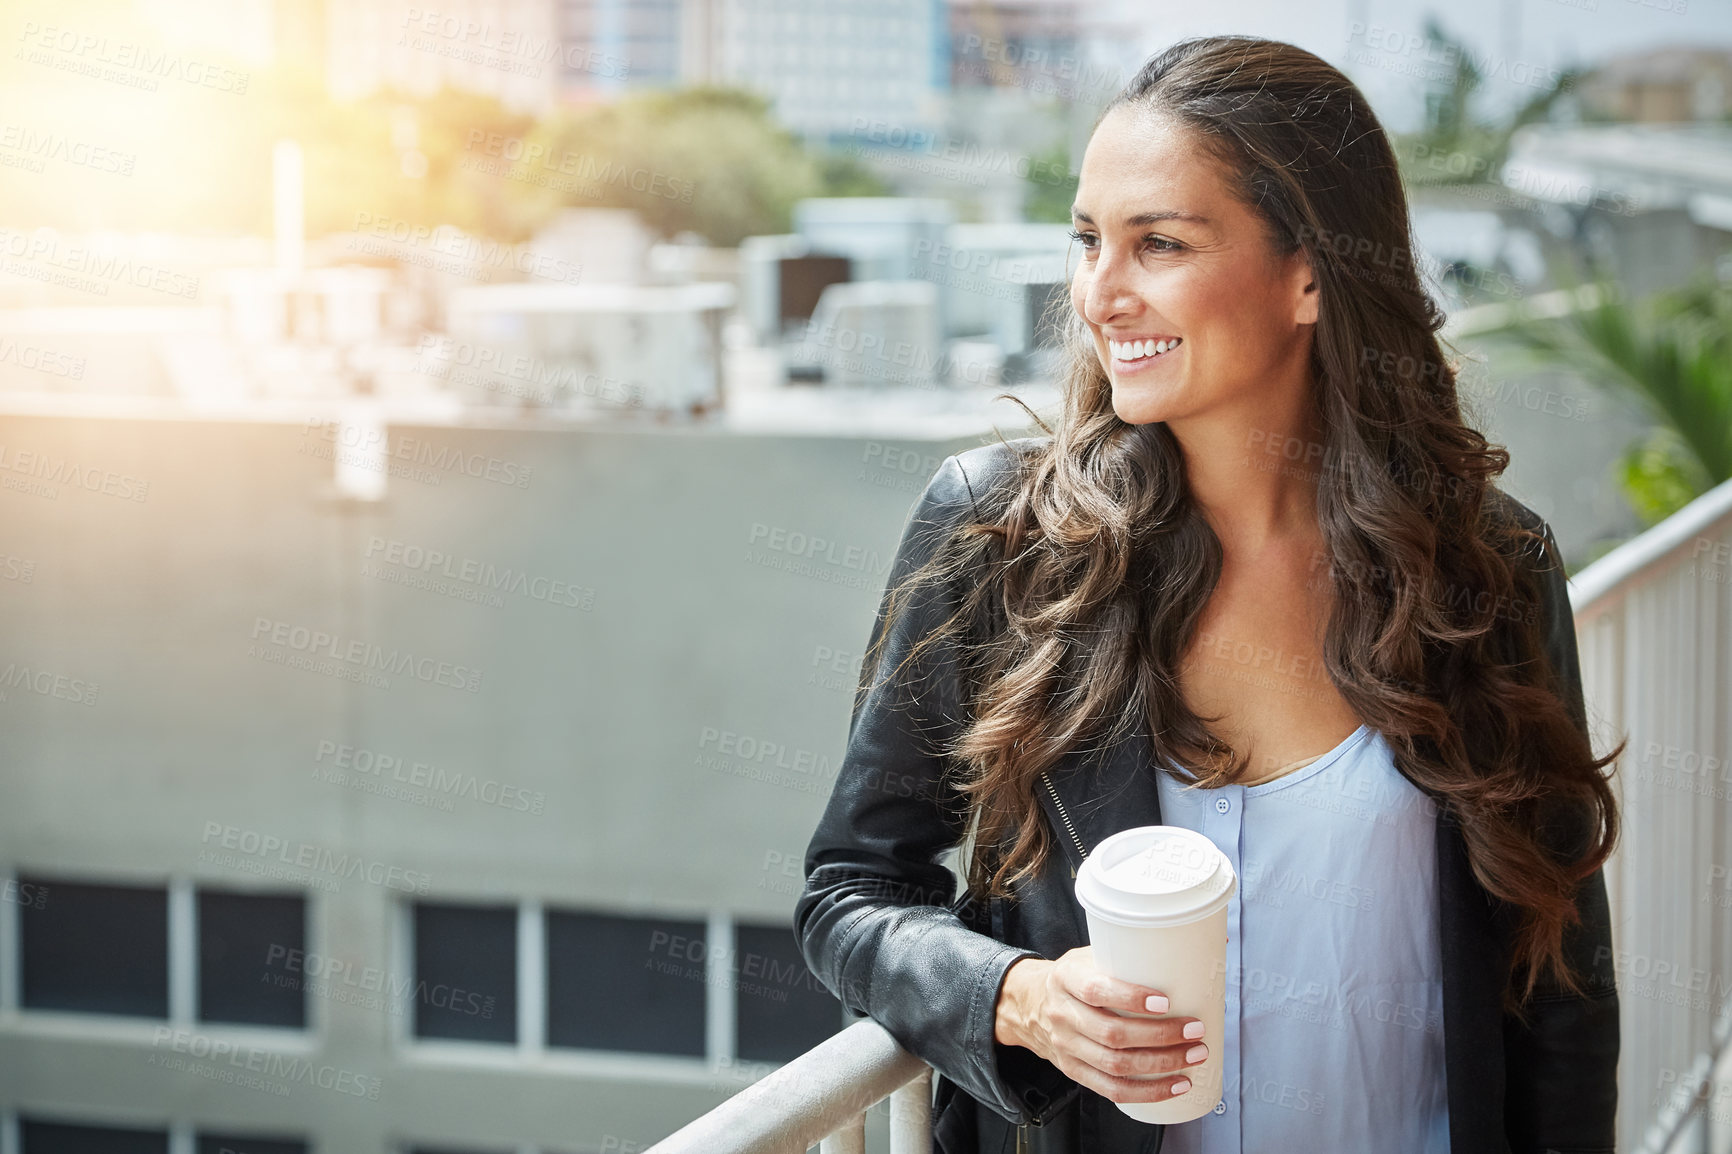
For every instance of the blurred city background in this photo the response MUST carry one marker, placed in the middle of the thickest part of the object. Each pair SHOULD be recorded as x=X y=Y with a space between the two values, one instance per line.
x=450 y=457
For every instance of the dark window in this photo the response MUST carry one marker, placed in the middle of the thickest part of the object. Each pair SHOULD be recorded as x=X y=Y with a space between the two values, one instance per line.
x=95 y=949
x=250 y=955
x=466 y=972
x=782 y=1009
x=617 y=983
x=54 y=1138
x=803 y=279
x=229 y=1144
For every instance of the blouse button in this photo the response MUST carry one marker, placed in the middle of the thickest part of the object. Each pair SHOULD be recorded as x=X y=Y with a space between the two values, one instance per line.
x=1221 y=1107
x=1222 y=805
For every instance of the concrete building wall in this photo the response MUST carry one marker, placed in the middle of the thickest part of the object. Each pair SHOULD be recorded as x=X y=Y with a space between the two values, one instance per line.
x=182 y=609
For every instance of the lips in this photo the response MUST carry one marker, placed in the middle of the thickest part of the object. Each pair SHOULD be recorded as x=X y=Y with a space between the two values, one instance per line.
x=1132 y=352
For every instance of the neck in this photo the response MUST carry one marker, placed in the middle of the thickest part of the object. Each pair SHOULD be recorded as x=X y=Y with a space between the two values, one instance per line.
x=1254 y=470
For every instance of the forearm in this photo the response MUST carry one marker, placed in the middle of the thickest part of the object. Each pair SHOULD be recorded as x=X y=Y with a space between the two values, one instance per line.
x=877 y=921
x=918 y=971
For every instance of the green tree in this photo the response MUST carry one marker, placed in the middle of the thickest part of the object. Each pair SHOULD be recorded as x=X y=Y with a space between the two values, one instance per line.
x=844 y=174
x=707 y=160
x=1456 y=145
x=1448 y=106
x=419 y=160
x=443 y=153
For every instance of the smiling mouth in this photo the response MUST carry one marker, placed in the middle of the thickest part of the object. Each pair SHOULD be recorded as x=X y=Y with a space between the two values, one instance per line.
x=1129 y=353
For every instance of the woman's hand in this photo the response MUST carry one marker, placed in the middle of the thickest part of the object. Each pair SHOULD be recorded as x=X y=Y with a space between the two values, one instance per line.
x=1063 y=1011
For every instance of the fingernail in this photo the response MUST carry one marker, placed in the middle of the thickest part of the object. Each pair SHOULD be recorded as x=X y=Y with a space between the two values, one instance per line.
x=1193 y=1029
x=1157 y=1003
x=1197 y=1053
x=1181 y=1086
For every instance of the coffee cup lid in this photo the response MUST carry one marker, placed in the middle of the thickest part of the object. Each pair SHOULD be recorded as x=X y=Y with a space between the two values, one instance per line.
x=1155 y=875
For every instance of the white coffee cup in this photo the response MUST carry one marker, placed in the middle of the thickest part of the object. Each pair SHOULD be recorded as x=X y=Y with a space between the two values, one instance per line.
x=1156 y=898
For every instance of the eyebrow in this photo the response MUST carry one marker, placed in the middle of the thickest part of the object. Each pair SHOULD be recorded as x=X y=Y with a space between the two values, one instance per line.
x=1143 y=218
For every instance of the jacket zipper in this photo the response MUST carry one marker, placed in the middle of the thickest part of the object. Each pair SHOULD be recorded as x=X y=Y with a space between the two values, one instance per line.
x=1037 y=1120
x=1066 y=816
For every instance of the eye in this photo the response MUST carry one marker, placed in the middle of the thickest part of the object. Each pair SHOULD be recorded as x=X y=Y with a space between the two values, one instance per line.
x=1090 y=242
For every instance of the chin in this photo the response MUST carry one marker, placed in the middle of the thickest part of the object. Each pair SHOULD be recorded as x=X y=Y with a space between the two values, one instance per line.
x=1134 y=409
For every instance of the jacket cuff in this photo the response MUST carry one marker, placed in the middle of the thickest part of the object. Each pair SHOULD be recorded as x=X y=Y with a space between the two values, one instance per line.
x=1035 y=1083
x=1027 y=1087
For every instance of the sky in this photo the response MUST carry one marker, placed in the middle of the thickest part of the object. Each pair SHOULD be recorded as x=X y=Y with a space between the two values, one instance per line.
x=1521 y=39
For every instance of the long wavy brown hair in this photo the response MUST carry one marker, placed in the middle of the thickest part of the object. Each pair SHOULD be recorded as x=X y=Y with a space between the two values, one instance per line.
x=1089 y=573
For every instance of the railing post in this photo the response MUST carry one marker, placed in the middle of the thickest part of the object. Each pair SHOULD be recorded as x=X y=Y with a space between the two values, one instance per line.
x=911 y=1116
x=849 y=1138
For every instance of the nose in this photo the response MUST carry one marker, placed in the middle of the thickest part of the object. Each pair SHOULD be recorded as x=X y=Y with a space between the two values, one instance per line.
x=1107 y=294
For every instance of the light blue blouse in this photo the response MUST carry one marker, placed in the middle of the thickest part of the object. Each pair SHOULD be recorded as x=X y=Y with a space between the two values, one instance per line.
x=1334 y=972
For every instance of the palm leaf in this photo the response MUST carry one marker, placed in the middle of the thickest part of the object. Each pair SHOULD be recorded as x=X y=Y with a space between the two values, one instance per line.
x=1670 y=355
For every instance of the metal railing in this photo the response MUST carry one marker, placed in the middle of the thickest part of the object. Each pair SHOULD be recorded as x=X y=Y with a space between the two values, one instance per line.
x=1654 y=632
x=821 y=1097
x=1696 y=1098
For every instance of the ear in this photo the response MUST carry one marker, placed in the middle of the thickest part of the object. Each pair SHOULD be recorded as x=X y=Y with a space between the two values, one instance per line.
x=1305 y=292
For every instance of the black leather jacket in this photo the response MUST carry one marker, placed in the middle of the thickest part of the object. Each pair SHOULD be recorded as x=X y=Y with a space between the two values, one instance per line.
x=880 y=924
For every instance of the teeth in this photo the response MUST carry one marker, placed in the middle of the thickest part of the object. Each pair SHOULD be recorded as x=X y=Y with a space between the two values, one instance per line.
x=1138 y=350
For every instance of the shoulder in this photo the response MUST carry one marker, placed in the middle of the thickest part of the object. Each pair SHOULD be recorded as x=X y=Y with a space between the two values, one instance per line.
x=1539 y=548
x=962 y=489
x=1542 y=560
x=1510 y=509
x=985 y=469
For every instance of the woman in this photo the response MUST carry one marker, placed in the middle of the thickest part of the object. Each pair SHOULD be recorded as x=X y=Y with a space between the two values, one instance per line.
x=1257 y=582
